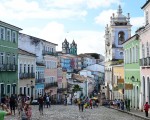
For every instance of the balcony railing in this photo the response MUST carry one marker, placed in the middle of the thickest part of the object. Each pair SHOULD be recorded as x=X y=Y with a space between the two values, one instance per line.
x=8 y=67
x=26 y=75
x=145 y=62
x=49 y=53
x=48 y=85
x=40 y=80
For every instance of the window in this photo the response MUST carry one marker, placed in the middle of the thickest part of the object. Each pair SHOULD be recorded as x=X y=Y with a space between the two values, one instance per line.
x=31 y=68
x=8 y=59
x=147 y=50
x=137 y=53
x=130 y=55
x=8 y=35
x=20 y=68
x=146 y=17
x=14 y=59
x=1 y=58
x=24 y=68
x=8 y=89
x=121 y=37
x=2 y=33
x=143 y=51
x=20 y=90
x=28 y=91
x=28 y=68
x=14 y=37
x=24 y=90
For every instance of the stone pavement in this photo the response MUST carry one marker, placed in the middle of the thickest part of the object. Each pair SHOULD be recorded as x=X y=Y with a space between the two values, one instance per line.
x=134 y=112
x=60 y=112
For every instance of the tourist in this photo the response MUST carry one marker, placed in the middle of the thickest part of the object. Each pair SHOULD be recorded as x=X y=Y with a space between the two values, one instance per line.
x=79 y=103
x=28 y=110
x=4 y=112
x=82 y=105
x=41 y=102
x=12 y=103
x=146 y=108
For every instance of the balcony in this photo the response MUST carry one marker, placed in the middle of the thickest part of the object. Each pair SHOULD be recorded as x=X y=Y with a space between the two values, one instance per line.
x=40 y=80
x=26 y=75
x=8 y=67
x=2 y=67
x=49 y=85
x=145 y=62
x=49 y=53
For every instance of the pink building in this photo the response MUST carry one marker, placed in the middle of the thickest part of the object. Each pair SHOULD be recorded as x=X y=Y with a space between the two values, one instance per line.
x=144 y=33
x=51 y=75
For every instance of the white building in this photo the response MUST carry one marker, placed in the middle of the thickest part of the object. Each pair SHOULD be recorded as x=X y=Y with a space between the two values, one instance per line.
x=27 y=73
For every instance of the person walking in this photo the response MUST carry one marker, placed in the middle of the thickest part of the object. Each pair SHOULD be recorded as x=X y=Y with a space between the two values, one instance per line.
x=28 y=110
x=79 y=102
x=12 y=104
x=146 y=108
x=6 y=111
x=91 y=103
x=82 y=105
x=47 y=101
x=41 y=101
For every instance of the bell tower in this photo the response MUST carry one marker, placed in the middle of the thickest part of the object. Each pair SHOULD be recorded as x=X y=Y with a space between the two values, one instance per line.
x=65 y=47
x=73 y=48
x=116 y=33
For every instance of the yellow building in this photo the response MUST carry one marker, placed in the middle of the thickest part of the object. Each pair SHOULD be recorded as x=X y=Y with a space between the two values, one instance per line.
x=118 y=82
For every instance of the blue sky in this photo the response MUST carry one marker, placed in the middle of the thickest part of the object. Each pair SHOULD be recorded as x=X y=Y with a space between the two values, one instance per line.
x=81 y=20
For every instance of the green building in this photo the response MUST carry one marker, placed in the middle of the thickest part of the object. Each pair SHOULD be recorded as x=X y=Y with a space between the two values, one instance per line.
x=8 y=59
x=132 y=70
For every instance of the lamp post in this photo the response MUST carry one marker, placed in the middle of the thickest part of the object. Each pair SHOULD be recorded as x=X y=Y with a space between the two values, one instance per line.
x=32 y=86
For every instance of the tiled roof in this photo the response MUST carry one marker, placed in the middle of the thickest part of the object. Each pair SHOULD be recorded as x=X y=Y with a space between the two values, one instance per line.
x=23 y=52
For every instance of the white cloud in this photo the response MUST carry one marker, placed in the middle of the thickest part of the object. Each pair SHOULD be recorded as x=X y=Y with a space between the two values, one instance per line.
x=137 y=21
x=104 y=17
x=101 y=3
x=87 y=41
x=22 y=9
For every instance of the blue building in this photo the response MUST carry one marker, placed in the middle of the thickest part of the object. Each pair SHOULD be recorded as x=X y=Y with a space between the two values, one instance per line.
x=39 y=83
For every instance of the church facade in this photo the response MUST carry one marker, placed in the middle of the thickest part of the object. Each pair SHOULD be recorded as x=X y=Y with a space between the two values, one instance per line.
x=116 y=33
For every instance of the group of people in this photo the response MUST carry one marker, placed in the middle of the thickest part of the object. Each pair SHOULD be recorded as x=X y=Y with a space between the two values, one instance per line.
x=87 y=103
x=9 y=105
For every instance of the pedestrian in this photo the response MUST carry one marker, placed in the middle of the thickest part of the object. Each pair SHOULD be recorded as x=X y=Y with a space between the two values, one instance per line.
x=79 y=102
x=6 y=111
x=47 y=101
x=91 y=103
x=12 y=104
x=28 y=110
x=82 y=105
x=41 y=101
x=146 y=108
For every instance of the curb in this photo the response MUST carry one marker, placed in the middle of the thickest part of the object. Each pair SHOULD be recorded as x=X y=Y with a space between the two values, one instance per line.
x=133 y=114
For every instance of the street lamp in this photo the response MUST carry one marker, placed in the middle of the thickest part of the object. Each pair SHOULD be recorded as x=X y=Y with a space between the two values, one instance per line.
x=32 y=90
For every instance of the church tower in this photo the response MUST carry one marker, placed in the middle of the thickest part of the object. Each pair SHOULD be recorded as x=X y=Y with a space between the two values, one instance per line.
x=116 y=33
x=65 y=47
x=73 y=48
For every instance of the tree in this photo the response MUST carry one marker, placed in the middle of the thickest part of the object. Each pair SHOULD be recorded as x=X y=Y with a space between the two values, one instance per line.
x=76 y=88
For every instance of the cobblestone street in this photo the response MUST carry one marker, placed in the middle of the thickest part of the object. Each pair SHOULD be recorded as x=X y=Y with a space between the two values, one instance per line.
x=60 y=112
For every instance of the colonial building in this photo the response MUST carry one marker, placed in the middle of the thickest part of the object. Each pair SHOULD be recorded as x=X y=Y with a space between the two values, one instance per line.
x=132 y=70
x=8 y=58
x=116 y=33
x=69 y=49
x=27 y=68
x=40 y=79
x=46 y=55
x=144 y=33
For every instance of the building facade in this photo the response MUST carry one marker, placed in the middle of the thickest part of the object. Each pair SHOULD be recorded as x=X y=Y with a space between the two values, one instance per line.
x=132 y=70
x=144 y=33
x=8 y=59
x=115 y=34
x=118 y=82
x=26 y=70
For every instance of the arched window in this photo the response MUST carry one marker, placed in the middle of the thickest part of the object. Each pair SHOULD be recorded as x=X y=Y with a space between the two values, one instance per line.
x=121 y=37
